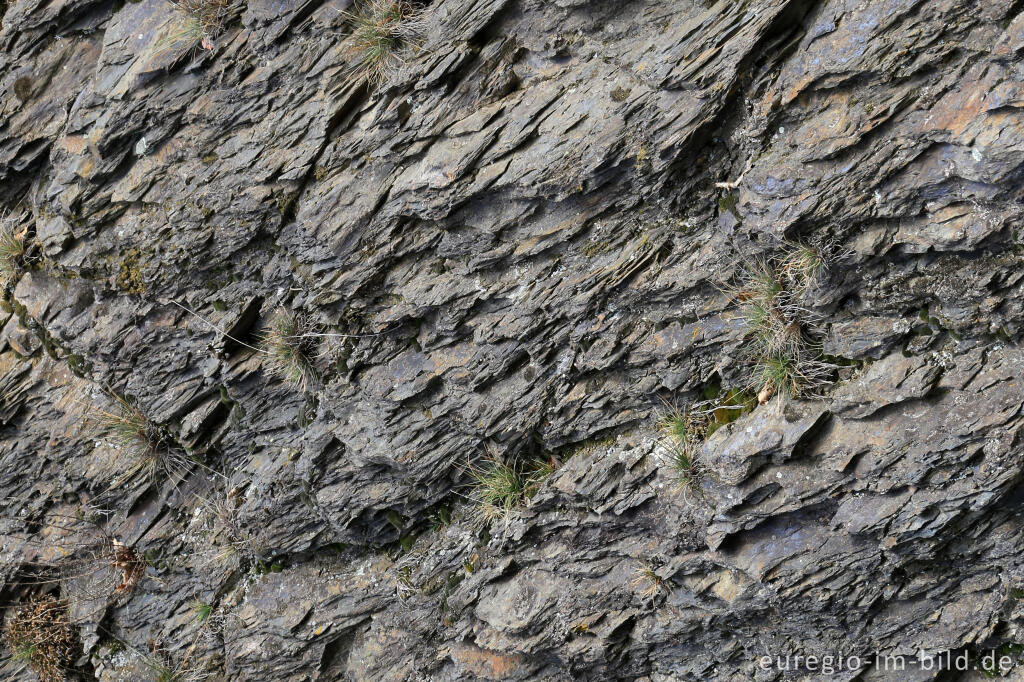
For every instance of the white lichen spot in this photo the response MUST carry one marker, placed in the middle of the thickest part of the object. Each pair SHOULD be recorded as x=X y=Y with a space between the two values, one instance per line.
x=901 y=326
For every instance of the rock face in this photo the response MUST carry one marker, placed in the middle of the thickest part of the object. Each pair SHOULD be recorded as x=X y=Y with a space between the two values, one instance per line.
x=519 y=245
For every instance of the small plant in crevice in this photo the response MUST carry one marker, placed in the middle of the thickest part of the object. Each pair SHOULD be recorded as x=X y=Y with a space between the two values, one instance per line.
x=201 y=611
x=542 y=467
x=646 y=582
x=499 y=487
x=204 y=21
x=683 y=434
x=801 y=265
x=41 y=637
x=105 y=573
x=129 y=564
x=12 y=252
x=794 y=374
x=674 y=425
x=147 y=446
x=684 y=431
x=128 y=426
x=781 y=340
x=163 y=669
x=224 y=530
x=777 y=373
x=290 y=344
x=405 y=584
x=440 y=518
x=210 y=618
x=773 y=320
x=383 y=33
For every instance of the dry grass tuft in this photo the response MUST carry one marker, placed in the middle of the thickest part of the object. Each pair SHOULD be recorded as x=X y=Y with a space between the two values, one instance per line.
x=801 y=265
x=41 y=636
x=383 y=32
x=12 y=247
x=230 y=534
x=146 y=445
x=128 y=426
x=646 y=582
x=780 y=332
x=164 y=669
x=205 y=19
x=290 y=343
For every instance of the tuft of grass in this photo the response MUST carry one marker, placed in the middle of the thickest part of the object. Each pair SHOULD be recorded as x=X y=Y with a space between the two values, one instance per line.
x=542 y=468
x=200 y=610
x=793 y=376
x=145 y=443
x=776 y=332
x=129 y=428
x=781 y=340
x=674 y=426
x=684 y=463
x=204 y=21
x=646 y=581
x=383 y=31
x=773 y=321
x=12 y=247
x=763 y=304
x=163 y=669
x=41 y=636
x=228 y=533
x=761 y=285
x=777 y=374
x=682 y=434
x=12 y=250
x=800 y=264
x=188 y=34
x=24 y=653
x=499 y=487
x=290 y=344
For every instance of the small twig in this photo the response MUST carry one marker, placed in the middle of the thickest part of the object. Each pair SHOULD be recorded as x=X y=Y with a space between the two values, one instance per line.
x=735 y=183
x=294 y=336
x=219 y=330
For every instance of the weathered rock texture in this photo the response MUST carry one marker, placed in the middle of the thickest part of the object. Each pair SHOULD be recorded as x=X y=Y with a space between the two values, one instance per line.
x=520 y=247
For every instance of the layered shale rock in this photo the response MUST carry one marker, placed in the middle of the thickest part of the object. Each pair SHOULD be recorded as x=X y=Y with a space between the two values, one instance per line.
x=519 y=247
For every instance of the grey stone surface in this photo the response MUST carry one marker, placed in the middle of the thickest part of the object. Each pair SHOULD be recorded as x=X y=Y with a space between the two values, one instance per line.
x=520 y=248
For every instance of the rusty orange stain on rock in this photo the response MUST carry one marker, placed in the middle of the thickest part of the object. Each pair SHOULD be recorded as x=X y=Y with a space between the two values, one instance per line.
x=73 y=144
x=486 y=663
x=958 y=111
